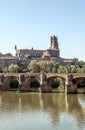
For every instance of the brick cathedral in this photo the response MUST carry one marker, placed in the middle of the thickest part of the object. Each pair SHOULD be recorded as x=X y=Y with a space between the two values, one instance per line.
x=53 y=53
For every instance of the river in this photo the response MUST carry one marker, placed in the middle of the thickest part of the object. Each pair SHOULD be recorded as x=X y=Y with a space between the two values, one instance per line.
x=37 y=111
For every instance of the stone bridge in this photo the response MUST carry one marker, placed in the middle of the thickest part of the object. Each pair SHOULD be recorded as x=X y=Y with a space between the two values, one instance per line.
x=45 y=80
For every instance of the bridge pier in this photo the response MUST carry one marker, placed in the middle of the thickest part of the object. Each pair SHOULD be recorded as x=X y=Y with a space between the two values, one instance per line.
x=45 y=88
x=24 y=84
x=0 y=82
x=72 y=85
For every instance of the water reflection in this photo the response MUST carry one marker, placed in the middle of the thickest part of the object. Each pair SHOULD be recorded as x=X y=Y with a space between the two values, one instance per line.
x=76 y=109
x=55 y=105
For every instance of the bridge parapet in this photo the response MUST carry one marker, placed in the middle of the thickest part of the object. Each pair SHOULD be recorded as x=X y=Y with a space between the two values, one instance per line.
x=78 y=75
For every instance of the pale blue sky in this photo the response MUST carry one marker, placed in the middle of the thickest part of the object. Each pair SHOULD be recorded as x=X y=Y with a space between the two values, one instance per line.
x=28 y=23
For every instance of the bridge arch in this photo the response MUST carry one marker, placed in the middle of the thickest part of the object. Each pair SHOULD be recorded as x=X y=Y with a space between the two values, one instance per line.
x=61 y=75
x=80 y=81
x=14 y=83
x=26 y=81
x=74 y=82
x=56 y=80
x=10 y=82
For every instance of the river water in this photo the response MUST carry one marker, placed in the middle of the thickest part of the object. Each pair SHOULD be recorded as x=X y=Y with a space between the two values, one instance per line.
x=37 y=111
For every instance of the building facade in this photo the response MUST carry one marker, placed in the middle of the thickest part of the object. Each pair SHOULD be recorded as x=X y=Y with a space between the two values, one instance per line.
x=52 y=52
x=24 y=56
x=6 y=61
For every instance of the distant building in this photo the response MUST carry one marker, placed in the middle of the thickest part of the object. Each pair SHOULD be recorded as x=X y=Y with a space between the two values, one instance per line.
x=53 y=51
x=5 y=55
x=24 y=56
x=6 y=61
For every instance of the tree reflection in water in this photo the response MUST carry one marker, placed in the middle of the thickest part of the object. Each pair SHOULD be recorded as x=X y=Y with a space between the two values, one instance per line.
x=52 y=104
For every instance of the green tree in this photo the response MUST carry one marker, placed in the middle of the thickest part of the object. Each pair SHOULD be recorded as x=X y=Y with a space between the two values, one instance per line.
x=5 y=69
x=73 y=68
x=13 y=68
x=62 y=69
x=83 y=68
x=75 y=61
x=43 y=66
x=81 y=63
x=49 y=66
x=78 y=70
x=34 y=66
x=68 y=68
x=55 y=67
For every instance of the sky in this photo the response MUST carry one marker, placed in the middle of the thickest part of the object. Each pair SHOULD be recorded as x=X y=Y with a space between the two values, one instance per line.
x=30 y=23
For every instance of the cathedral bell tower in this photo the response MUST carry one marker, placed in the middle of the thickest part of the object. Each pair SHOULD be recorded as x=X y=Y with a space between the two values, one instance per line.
x=53 y=43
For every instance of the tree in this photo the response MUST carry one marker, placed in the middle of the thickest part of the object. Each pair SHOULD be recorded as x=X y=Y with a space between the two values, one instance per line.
x=83 y=68
x=34 y=66
x=13 y=68
x=49 y=66
x=75 y=61
x=81 y=63
x=43 y=66
x=78 y=70
x=62 y=69
x=73 y=68
x=55 y=67
x=5 y=69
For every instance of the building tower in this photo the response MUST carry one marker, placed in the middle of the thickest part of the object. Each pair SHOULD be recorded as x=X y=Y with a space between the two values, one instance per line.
x=54 y=43
x=15 y=47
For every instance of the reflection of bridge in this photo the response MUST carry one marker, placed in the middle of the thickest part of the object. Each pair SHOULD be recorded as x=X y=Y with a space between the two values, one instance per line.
x=53 y=105
x=45 y=80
